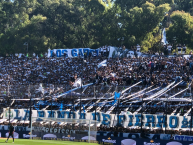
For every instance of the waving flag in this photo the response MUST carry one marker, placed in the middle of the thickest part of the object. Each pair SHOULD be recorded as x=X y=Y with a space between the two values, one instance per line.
x=61 y=106
x=117 y=96
x=103 y=63
x=77 y=82
x=164 y=37
x=40 y=89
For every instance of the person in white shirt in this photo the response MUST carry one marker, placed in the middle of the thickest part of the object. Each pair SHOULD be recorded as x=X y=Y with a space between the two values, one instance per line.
x=169 y=47
x=138 y=48
x=184 y=49
x=179 y=48
x=156 y=53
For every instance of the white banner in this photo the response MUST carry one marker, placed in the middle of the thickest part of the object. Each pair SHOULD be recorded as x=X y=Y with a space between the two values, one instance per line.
x=127 y=120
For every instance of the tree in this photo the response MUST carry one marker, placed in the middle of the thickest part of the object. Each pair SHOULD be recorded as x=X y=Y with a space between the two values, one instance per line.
x=181 y=28
x=141 y=25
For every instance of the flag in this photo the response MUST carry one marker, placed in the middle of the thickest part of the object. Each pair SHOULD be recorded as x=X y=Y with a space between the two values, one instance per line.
x=61 y=106
x=116 y=96
x=77 y=82
x=20 y=55
x=27 y=55
x=41 y=55
x=40 y=89
x=164 y=41
x=103 y=63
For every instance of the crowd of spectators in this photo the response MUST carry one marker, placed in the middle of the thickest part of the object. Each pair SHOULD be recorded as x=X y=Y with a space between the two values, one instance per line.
x=24 y=77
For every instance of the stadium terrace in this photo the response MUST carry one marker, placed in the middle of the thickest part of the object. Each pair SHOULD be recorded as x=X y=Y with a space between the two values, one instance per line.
x=116 y=92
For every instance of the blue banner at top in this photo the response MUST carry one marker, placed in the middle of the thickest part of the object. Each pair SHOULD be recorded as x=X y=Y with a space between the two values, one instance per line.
x=77 y=52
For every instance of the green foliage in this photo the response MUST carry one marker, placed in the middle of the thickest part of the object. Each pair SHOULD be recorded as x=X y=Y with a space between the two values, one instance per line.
x=91 y=23
x=181 y=28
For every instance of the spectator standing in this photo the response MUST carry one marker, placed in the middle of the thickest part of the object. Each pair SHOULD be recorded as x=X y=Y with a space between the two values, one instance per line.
x=169 y=49
x=184 y=49
x=179 y=48
x=138 y=48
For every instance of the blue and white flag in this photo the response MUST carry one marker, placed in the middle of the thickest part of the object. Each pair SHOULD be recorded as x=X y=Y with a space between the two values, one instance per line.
x=61 y=106
x=103 y=63
x=77 y=83
x=40 y=89
x=116 y=97
x=164 y=41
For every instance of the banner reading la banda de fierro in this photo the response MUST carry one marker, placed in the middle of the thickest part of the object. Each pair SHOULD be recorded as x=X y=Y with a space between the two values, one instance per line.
x=127 y=120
